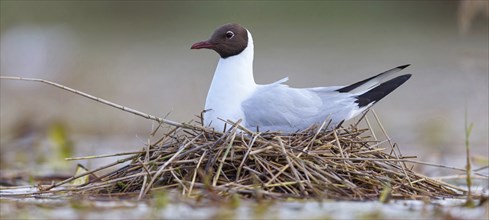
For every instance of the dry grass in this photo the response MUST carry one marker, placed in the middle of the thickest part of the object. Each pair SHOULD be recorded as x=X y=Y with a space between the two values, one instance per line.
x=344 y=163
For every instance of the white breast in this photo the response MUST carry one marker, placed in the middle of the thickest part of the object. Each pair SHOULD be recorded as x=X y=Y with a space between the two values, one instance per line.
x=233 y=83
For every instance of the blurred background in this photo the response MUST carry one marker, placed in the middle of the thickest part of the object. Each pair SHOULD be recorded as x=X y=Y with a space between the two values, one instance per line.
x=136 y=53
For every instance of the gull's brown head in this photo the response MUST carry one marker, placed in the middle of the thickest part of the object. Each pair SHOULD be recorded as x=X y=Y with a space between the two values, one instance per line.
x=227 y=40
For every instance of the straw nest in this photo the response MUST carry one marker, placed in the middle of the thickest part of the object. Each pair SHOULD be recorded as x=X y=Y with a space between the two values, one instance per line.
x=344 y=163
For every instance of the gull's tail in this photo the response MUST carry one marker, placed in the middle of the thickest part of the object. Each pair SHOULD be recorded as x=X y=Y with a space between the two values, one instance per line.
x=372 y=89
x=381 y=91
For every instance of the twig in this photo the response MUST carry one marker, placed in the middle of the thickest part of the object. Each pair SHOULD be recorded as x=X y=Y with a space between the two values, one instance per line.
x=162 y=168
x=104 y=156
x=406 y=160
x=296 y=174
x=88 y=173
x=195 y=173
x=230 y=144
x=403 y=166
x=103 y=101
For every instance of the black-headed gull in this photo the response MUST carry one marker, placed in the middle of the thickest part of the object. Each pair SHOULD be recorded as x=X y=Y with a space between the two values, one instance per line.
x=234 y=95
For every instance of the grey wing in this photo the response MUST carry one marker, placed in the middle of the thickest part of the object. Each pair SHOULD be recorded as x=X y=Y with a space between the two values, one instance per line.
x=278 y=107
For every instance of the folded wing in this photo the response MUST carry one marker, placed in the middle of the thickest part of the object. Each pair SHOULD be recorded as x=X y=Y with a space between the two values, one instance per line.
x=278 y=107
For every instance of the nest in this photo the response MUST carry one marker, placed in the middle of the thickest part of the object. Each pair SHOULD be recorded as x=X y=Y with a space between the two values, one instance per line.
x=346 y=163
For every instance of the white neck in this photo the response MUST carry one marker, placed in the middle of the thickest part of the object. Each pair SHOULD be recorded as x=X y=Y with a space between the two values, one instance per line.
x=233 y=82
x=237 y=69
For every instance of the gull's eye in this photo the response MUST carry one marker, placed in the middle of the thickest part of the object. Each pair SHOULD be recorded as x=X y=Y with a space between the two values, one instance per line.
x=229 y=34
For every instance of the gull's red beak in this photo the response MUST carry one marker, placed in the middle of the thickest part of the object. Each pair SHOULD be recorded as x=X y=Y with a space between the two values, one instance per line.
x=202 y=44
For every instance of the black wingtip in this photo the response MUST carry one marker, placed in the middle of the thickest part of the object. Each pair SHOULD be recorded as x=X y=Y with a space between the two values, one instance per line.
x=357 y=84
x=403 y=66
x=379 y=92
x=405 y=77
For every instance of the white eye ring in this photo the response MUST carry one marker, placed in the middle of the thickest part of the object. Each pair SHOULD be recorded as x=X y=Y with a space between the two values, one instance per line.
x=229 y=34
